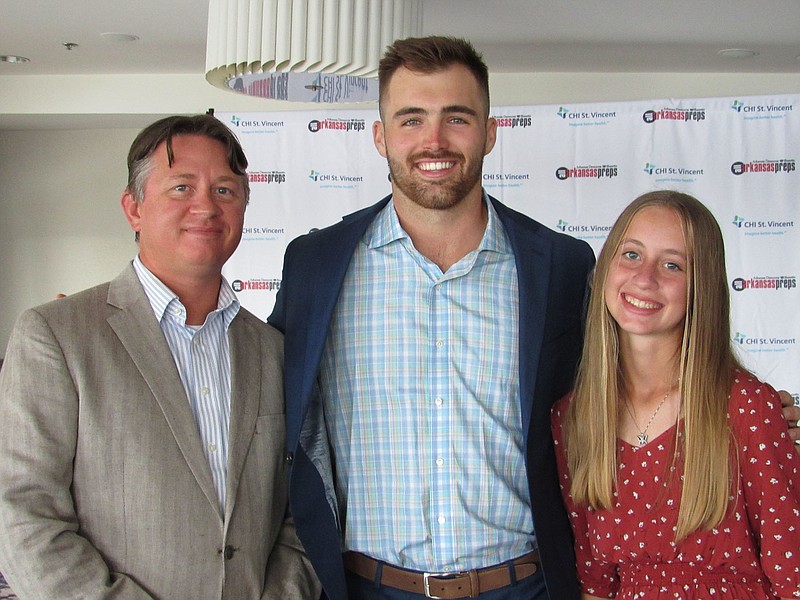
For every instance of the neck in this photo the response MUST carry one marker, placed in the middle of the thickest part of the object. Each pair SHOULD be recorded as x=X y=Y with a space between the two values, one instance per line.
x=198 y=292
x=199 y=302
x=444 y=236
x=648 y=364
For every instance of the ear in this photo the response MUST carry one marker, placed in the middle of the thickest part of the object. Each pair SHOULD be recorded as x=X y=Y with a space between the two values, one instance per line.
x=491 y=135
x=378 y=136
x=131 y=208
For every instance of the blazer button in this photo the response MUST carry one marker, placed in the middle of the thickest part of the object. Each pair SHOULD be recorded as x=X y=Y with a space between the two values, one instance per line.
x=228 y=552
x=289 y=458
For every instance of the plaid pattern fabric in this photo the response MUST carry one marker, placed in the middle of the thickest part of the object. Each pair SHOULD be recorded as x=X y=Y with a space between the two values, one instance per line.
x=421 y=394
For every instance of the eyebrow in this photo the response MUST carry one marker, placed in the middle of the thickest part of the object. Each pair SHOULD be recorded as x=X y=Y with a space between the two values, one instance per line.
x=193 y=177
x=452 y=109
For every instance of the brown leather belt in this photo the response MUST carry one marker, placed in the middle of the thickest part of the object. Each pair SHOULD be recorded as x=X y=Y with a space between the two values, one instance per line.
x=464 y=584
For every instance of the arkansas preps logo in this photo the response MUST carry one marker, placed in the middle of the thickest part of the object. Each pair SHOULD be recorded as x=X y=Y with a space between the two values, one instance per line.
x=785 y=165
x=513 y=121
x=345 y=125
x=764 y=283
x=675 y=114
x=587 y=172
x=262 y=285
x=267 y=176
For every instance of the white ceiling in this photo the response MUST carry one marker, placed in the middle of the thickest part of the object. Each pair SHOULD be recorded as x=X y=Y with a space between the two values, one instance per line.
x=514 y=35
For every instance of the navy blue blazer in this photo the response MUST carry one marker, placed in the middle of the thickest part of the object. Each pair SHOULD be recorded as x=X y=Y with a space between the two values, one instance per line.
x=552 y=271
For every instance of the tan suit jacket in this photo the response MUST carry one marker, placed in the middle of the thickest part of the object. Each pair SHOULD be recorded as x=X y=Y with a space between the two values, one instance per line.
x=105 y=491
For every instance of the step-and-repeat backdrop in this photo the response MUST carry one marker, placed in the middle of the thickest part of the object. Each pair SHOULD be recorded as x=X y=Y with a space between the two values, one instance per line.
x=573 y=168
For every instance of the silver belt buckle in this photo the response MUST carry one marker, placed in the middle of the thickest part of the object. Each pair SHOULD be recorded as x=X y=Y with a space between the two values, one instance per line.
x=426 y=583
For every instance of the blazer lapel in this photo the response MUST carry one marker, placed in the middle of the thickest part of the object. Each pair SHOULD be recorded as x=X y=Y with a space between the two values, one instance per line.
x=139 y=332
x=246 y=366
x=326 y=278
x=532 y=253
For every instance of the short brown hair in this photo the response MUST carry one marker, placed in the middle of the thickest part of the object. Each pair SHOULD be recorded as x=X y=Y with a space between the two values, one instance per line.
x=163 y=130
x=428 y=55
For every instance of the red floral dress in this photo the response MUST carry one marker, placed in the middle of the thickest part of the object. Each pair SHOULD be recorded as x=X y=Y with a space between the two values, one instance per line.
x=630 y=553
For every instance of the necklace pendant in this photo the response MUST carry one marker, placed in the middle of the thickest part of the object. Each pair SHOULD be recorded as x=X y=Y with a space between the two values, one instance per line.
x=641 y=438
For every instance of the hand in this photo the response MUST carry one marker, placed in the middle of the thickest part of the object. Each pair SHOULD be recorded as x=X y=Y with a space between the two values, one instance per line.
x=792 y=415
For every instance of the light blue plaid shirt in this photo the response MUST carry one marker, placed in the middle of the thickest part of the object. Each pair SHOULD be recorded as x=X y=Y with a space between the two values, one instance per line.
x=420 y=384
x=202 y=356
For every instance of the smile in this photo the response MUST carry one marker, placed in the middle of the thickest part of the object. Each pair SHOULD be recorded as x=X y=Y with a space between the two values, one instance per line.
x=435 y=166
x=640 y=303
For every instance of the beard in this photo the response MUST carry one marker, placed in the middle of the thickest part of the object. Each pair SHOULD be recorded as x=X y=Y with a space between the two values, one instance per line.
x=435 y=194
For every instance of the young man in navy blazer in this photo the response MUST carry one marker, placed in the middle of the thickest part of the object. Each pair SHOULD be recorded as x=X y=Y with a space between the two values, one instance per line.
x=427 y=337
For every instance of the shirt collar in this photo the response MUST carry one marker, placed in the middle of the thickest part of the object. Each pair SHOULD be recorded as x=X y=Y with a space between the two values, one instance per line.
x=386 y=229
x=161 y=297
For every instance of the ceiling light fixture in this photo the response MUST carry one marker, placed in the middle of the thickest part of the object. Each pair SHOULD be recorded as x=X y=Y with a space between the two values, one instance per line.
x=13 y=58
x=737 y=53
x=304 y=50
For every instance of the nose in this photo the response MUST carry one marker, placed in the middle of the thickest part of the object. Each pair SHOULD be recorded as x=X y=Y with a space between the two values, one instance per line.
x=204 y=203
x=645 y=276
x=435 y=138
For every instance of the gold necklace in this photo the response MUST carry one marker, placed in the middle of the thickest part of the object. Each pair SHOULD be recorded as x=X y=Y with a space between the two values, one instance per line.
x=641 y=437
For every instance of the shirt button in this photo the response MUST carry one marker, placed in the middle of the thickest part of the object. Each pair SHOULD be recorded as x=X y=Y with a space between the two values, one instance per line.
x=439 y=343
x=212 y=447
x=439 y=462
x=438 y=401
x=204 y=390
x=441 y=520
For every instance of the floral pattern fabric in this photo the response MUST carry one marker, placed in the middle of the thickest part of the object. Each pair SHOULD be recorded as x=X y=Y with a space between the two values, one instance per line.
x=754 y=554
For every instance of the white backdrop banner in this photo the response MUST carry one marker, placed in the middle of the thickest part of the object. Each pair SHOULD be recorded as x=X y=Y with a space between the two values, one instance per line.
x=573 y=168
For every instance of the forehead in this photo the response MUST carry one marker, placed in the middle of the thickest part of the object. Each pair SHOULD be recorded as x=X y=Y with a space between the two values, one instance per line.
x=657 y=225
x=192 y=149
x=454 y=85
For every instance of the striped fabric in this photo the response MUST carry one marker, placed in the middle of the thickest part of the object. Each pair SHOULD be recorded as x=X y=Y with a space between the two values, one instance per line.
x=421 y=395
x=202 y=356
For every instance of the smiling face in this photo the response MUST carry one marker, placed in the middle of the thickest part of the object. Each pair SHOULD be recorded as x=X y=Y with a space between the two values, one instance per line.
x=190 y=219
x=647 y=283
x=434 y=134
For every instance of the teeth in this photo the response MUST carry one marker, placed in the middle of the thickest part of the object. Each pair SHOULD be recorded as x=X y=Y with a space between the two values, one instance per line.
x=436 y=166
x=640 y=303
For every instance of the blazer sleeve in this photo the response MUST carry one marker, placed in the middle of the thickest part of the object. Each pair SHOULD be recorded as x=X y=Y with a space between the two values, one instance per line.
x=42 y=553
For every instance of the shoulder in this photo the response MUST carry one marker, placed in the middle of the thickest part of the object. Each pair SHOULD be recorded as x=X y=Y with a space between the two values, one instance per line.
x=333 y=235
x=748 y=392
x=753 y=403
x=73 y=309
x=265 y=331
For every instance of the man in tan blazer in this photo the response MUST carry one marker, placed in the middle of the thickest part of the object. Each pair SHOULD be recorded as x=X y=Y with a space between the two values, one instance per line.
x=142 y=445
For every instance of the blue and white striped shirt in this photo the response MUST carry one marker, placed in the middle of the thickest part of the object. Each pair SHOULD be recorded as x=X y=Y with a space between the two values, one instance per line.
x=420 y=384
x=202 y=356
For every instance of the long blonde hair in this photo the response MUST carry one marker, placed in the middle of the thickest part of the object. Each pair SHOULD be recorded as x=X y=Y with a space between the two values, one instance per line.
x=706 y=366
